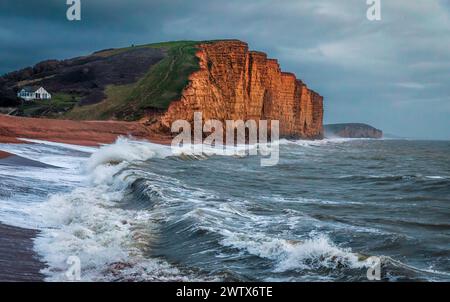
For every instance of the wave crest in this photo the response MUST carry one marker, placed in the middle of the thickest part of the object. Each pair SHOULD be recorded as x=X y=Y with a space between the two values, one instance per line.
x=126 y=150
x=313 y=253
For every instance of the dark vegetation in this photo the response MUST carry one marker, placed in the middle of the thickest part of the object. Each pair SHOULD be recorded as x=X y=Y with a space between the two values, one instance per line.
x=54 y=108
x=123 y=83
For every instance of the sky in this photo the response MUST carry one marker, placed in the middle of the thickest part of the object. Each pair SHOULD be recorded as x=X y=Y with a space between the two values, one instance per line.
x=393 y=74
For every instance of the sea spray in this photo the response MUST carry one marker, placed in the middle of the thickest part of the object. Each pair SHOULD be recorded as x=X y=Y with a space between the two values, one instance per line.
x=139 y=213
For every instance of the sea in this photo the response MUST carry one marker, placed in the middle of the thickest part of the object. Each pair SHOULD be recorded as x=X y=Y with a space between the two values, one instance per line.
x=330 y=210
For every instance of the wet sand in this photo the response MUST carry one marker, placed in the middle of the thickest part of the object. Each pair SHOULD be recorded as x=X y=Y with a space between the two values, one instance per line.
x=4 y=155
x=18 y=261
x=86 y=133
x=15 y=160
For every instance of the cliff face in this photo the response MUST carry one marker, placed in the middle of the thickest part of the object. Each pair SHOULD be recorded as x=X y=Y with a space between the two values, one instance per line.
x=234 y=83
x=352 y=130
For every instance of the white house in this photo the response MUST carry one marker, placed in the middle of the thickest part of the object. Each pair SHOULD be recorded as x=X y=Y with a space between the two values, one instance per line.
x=29 y=93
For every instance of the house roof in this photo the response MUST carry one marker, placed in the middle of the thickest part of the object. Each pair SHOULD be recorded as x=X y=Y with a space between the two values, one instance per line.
x=31 y=88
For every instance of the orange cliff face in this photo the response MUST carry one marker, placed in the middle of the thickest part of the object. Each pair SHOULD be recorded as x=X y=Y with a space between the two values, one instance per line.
x=234 y=83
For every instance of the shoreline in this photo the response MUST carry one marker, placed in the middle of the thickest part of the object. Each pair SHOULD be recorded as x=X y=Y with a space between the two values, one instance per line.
x=4 y=155
x=84 y=133
x=18 y=260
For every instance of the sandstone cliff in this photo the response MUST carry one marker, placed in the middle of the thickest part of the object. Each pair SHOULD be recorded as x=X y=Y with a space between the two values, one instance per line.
x=235 y=83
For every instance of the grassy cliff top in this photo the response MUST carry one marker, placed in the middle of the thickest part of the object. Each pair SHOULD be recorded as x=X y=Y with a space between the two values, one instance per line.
x=162 y=84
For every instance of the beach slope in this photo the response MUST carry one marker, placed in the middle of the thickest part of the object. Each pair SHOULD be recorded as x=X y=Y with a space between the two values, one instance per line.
x=18 y=260
x=86 y=133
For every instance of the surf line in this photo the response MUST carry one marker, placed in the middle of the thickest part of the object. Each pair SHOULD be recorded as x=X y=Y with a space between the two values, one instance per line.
x=193 y=292
x=252 y=135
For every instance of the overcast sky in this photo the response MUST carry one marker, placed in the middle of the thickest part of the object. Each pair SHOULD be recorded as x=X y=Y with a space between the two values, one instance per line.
x=393 y=74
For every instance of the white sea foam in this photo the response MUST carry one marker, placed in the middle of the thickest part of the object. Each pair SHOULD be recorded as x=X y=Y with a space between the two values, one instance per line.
x=86 y=222
x=315 y=252
x=238 y=227
x=61 y=145
x=53 y=155
x=435 y=177
x=126 y=150
x=26 y=186
x=315 y=143
x=109 y=241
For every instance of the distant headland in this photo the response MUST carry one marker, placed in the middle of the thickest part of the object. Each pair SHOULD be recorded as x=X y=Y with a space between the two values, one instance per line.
x=352 y=130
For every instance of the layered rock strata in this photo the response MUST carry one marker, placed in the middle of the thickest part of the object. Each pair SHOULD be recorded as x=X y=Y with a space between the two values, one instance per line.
x=234 y=83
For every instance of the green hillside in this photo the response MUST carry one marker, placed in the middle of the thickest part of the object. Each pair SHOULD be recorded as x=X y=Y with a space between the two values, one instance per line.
x=162 y=84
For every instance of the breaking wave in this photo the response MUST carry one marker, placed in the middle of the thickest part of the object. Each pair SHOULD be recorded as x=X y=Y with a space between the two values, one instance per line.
x=136 y=211
x=314 y=253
